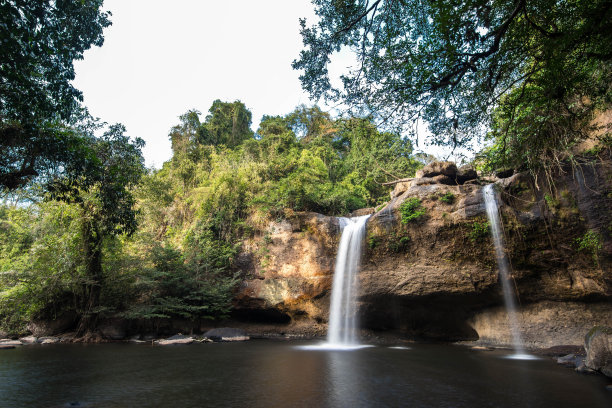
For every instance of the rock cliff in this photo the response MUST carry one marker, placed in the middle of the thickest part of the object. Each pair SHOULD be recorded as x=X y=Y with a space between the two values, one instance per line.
x=434 y=276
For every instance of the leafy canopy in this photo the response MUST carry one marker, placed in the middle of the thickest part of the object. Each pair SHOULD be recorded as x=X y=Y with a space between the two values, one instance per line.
x=451 y=62
x=40 y=41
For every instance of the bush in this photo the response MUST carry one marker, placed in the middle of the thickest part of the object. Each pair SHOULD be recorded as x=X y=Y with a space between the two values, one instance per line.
x=448 y=198
x=479 y=231
x=591 y=242
x=411 y=210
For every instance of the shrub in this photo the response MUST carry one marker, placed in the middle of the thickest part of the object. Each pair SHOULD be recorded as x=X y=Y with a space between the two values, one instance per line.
x=448 y=198
x=411 y=210
x=479 y=231
x=591 y=242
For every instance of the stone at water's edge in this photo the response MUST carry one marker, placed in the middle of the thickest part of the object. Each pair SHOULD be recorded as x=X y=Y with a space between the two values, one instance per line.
x=170 y=341
x=226 y=334
x=598 y=345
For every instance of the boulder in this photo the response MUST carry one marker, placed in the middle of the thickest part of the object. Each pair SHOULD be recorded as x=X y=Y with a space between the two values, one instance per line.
x=571 y=360
x=504 y=173
x=226 y=334
x=466 y=173
x=58 y=325
x=175 y=340
x=598 y=345
x=48 y=340
x=8 y=343
x=437 y=168
x=443 y=179
x=29 y=340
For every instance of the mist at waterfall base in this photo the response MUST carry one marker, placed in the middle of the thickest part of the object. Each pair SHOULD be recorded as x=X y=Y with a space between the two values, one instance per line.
x=265 y=373
x=504 y=272
x=343 y=322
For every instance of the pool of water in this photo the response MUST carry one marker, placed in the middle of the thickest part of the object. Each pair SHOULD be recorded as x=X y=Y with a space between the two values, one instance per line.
x=263 y=373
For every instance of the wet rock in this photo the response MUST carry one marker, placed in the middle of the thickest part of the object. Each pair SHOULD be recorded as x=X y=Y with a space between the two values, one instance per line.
x=10 y=342
x=29 y=340
x=363 y=211
x=226 y=334
x=583 y=369
x=6 y=346
x=48 y=340
x=175 y=340
x=571 y=360
x=437 y=168
x=598 y=345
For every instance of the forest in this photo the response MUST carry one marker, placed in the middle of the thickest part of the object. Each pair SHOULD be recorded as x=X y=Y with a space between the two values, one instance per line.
x=88 y=232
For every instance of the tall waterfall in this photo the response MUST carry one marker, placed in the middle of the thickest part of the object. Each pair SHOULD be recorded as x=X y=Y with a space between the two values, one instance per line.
x=504 y=268
x=342 y=314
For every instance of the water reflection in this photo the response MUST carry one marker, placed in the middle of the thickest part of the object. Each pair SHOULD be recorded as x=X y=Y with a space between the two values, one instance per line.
x=273 y=374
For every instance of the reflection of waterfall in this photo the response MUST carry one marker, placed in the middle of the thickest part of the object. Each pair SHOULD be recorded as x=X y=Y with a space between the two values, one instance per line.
x=342 y=313
x=503 y=266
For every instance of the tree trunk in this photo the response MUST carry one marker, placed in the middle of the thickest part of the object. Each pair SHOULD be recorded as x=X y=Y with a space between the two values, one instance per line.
x=92 y=286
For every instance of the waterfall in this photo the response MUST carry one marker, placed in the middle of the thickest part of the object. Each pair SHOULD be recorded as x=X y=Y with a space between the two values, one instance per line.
x=342 y=314
x=504 y=269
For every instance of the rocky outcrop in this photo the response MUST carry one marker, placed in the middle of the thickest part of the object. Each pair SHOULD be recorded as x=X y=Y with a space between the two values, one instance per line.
x=291 y=270
x=436 y=276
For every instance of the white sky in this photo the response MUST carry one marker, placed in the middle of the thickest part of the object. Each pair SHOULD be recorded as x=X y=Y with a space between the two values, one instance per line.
x=162 y=58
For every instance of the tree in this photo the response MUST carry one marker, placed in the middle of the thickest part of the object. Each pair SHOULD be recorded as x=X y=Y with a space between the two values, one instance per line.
x=227 y=123
x=451 y=62
x=40 y=40
x=102 y=190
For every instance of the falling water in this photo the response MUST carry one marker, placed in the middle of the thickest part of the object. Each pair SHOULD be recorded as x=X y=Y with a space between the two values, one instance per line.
x=342 y=313
x=504 y=269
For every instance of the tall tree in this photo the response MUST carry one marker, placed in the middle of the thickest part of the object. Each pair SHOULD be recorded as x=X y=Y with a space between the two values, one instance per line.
x=227 y=123
x=40 y=41
x=102 y=189
x=450 y=62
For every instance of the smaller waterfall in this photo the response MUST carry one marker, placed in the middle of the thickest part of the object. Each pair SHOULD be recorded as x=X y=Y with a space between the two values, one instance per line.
x=342 y=314
x=504 y=269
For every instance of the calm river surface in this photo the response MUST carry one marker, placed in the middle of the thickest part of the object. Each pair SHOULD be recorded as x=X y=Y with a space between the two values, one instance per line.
x=263 y=373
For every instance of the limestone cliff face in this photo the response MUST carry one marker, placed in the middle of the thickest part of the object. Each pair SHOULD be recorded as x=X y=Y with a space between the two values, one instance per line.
x=436 y=276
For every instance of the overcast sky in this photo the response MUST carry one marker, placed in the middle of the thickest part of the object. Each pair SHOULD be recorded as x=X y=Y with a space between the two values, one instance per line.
x=162 y=58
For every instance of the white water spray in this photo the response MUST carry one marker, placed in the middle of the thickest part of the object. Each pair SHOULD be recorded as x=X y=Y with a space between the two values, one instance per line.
x=342 y=314
x=504 y=270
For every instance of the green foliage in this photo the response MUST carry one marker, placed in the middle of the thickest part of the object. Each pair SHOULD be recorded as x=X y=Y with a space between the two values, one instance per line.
x=373 y=241
x=398 y=243
x=479 y=231
x=544 y=63
x=447 y=198
x=551 y=201
x=40 y=41
x=175 y=287
x=591 y=242
x=411 y=210
x=41 y=269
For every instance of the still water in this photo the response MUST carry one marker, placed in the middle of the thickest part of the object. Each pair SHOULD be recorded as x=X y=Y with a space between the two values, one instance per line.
x=263 y=373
